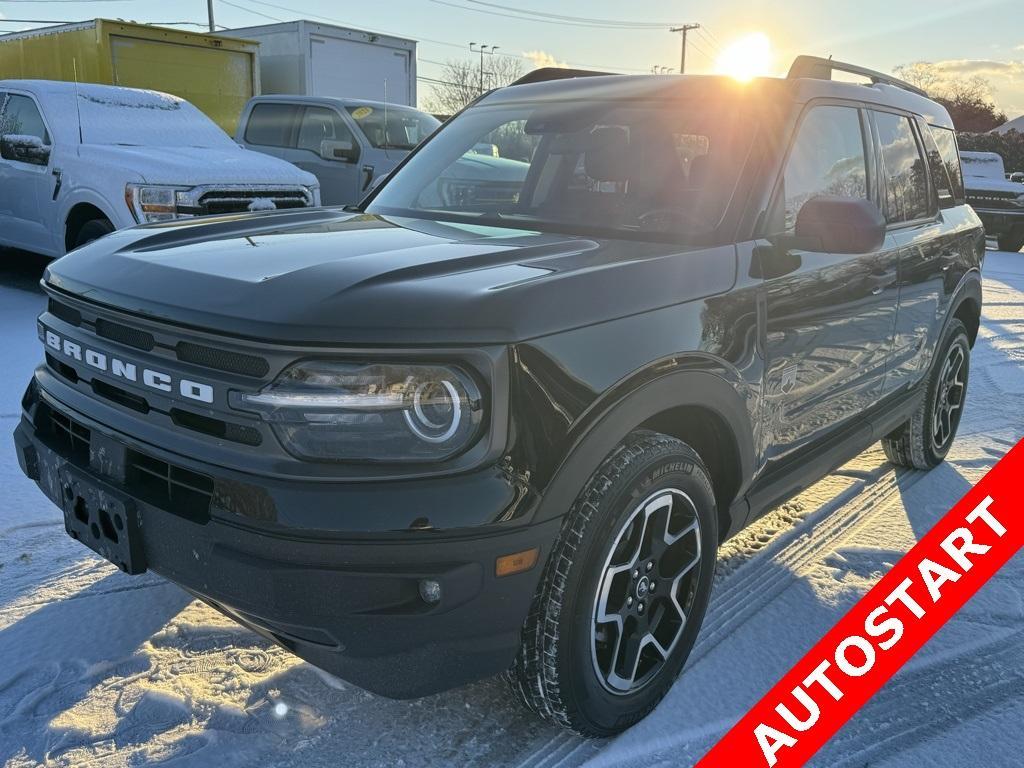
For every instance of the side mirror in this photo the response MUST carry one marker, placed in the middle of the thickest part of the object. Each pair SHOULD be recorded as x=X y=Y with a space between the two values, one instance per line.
x=339 y=150
x=24 y=149
x=841 y=225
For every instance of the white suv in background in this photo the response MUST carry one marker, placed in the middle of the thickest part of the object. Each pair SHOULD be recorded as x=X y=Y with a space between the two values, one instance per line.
x=79 y=161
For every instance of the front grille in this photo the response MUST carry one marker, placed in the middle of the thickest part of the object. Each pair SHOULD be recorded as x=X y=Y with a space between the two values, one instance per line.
x=64 y=312
x=239 y=201
x=168 y=487
x=222 y=360
x=71 y=438
x=124 y=334
x=62 y=368
x=226 y=430
x=120 y=396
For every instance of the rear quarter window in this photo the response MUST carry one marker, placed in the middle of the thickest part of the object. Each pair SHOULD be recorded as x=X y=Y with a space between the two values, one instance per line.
x=945 y=142
x=272 y=125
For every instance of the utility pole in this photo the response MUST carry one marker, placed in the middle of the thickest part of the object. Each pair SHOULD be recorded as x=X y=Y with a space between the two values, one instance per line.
x=482 y=51
x=209 y=11
x=682 y=56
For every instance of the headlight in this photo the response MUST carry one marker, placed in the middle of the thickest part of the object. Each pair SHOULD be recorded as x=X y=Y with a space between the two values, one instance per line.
x=148 y=203
x=332 y=411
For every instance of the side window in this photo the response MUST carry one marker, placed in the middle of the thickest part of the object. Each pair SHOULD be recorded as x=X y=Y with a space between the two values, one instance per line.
x=321 y=124
x=271 y=125
x=945 y=141
x=827 y=159
x=21 y=116
x=941 y=181
x=906 y=181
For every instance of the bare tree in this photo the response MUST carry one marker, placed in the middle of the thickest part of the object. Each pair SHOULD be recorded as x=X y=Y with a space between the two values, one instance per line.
x=460 y=81
x=968 y=99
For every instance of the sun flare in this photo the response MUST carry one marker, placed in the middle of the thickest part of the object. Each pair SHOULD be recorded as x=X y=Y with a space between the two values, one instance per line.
x=748 y=57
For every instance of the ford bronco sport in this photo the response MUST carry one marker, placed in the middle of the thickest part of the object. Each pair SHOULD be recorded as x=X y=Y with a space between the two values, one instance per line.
x=466 y=428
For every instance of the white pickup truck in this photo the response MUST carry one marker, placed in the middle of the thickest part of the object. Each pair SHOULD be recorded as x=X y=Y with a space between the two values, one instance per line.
x=997 y=200
x=79 y=160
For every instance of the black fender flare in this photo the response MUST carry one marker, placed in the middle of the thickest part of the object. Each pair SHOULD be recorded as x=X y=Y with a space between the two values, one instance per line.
x=969 y=287
x=672 y=390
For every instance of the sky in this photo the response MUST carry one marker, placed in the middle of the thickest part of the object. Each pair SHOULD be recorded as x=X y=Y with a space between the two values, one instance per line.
x=965 y=37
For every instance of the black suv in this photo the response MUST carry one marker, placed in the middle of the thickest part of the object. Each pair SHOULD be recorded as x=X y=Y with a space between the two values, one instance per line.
x=501 y=420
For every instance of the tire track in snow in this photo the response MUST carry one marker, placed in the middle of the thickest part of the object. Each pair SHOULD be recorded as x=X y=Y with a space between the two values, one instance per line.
x=746 y=591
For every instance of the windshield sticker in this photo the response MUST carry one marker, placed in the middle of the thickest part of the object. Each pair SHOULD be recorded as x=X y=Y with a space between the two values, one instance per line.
x=362 y=113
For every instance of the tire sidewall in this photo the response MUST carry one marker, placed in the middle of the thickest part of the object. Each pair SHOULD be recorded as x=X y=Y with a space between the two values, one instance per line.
x=604 y=711
x=93 y=230
x=955 y=334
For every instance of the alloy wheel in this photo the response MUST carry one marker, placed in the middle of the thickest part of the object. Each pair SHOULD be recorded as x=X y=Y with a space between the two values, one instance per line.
x=647 y=588
x=949 y=397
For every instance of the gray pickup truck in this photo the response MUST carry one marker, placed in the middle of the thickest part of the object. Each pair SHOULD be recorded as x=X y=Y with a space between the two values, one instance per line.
x=349 y=144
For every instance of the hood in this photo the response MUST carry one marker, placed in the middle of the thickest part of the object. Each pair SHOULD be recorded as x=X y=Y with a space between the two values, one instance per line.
x=991 y=184
x=325 y=276
x=193 y=166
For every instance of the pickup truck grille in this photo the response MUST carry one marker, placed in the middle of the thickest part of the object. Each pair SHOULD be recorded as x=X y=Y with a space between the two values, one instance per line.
x=239 y=201
x=991 y=199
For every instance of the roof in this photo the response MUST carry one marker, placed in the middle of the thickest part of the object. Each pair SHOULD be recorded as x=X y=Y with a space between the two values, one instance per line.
x=337 y=101
x=94 y=90
x=668 y=87
x=1017 y=124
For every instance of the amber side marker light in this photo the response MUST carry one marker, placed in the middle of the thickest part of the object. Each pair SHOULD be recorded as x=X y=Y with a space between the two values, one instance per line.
x=516 y=562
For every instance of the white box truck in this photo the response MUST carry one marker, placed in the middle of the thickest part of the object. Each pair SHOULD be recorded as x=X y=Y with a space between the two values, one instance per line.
x=307 y=58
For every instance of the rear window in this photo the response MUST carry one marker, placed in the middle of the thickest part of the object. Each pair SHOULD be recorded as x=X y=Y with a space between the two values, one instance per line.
x=271 y=125
x=906 y=180
x=945 y=142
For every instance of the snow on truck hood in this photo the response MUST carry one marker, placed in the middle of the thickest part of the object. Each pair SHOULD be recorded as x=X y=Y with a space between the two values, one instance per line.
x=192 y=166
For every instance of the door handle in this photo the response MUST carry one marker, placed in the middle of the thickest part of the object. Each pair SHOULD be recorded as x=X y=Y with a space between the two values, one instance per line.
x=877 y=290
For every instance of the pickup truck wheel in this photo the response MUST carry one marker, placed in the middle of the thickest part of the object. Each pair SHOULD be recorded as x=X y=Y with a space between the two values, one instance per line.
x=624 y=590
x=1013 y=240
x=924 y=440
x=93 y=230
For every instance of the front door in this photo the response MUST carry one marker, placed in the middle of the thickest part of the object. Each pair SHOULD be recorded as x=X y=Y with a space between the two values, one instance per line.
x=26 y=183
x=341 y=178
x=830 y=317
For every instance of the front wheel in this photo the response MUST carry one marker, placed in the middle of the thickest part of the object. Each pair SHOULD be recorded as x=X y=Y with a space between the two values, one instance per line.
x=925 y=439
x=624 y=591
x=93 y=230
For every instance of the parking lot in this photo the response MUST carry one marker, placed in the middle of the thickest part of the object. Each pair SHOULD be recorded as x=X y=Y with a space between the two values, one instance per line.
x=106 y=668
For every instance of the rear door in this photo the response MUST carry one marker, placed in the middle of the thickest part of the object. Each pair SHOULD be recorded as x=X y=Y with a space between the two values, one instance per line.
x=270 y=127
x=26 y=184
x=830 y=316
x=927 y=246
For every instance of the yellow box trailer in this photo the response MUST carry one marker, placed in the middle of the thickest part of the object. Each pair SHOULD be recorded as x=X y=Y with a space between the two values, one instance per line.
x=218 y=74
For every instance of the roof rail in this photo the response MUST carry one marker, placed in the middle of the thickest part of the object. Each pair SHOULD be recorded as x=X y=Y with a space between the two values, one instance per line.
x=818 y=68
x=544 y=74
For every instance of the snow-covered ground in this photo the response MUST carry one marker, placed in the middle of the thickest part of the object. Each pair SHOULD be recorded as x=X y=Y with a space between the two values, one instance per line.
x=102 y=669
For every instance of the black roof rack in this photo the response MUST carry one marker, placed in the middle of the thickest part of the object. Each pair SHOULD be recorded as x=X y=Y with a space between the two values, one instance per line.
x=544 y=74
x=818 y=68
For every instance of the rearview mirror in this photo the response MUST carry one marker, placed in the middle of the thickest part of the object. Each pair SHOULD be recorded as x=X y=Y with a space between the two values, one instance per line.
x=24 y=149
x=840 y=225
x=339 y=150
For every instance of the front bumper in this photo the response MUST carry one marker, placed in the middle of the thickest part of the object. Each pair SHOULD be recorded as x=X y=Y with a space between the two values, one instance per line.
x=348 y=604
x=999 y=221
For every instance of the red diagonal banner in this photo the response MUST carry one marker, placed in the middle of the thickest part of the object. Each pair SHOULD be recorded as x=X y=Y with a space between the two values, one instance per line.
x=885 y=628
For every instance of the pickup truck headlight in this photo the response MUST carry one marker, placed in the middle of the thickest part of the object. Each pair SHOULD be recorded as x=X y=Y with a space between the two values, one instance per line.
x=151 y=203
x=333 y=411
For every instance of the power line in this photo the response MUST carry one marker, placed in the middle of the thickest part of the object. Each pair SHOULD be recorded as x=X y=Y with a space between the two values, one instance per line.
x=446 y=43
x=250 y=10
x=622 y=27
x=589 y=19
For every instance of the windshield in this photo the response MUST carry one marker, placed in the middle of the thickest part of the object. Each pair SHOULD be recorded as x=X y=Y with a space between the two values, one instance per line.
x=640 y=168
x=401 y=128
x=146 y=119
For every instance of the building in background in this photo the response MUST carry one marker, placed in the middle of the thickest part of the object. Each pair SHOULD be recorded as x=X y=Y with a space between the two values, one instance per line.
x=218 y=74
